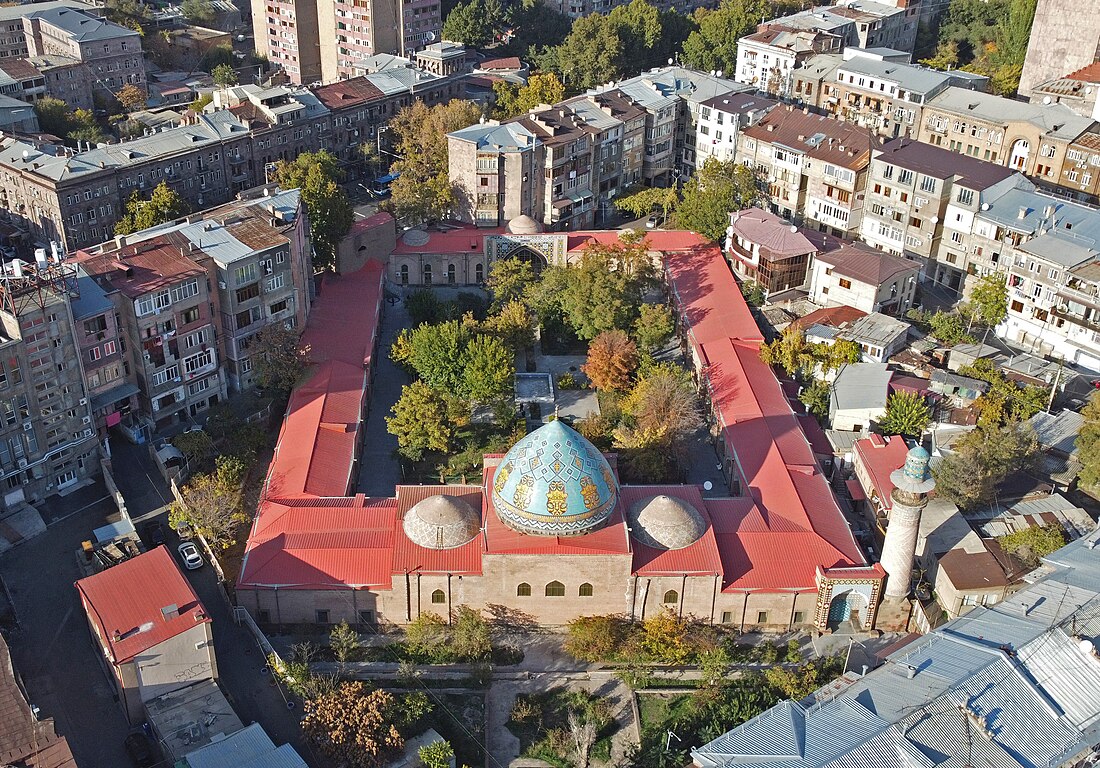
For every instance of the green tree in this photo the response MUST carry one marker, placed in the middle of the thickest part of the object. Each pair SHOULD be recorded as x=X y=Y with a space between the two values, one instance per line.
x=277 y=360
x=946 y=56
x=489 y=370
x=612 y=360
x=344 y=642
x=654 y=326
x=661 y=414
x=438 y=754
x=1088 y=443
x=198 y=11
x=982 y=459
x=85 y=127
x=224 y=75
x=468 y=24
x=1006 y=401
x=200 y=103
x=317 y=175
x=470 y=635
x=948 y=328
x=754 y=293
x=196 y=445
x=53 y=115
x=212 y=503
x=789 y=352
x=711 y=193
x=424 y=192
x=438 y=355
x=352 y=726
x=427 y=635
x=906 y=414
x=989 y=300
x=816 y=398
x=1032 y=544
x=514 y=324
x=541 y=88
x=596 y=638
x=794 y=684
x=421 y=421
x=665 y=638
x=130 y=97
x=714 y=45
x=216 y=56
x=163 y=205
x=590 y=55
x=508 y=280
x=840 y=352
x=646 y=200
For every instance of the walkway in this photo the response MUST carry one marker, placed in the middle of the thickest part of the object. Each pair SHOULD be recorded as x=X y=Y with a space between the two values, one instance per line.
x=380 y=471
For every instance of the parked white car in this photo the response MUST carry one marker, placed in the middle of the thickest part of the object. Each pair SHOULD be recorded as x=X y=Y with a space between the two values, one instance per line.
x=190 y=556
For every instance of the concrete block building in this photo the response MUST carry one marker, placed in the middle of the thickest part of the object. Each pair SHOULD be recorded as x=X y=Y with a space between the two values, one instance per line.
x=1065 y=36
x=858 y=276
x=153 y=633
x=112 y=52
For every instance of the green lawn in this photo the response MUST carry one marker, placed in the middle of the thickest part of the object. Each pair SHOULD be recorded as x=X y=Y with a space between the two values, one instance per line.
x=656 y=709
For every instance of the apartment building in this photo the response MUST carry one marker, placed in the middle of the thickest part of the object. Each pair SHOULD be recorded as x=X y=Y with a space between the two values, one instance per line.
x=858 y=276
x=1030 y=138
x=564 y=165
x=1078 y=90
x=112 y=52
x=921 y=201
x=76 y=198
x=1048 y=249
x=884 y=95
x=721 y=120
x=13 y=37
x=109 y=381
x=815 y=167
x=47 y=442
x=769 y=250
x=1080 y=173
x=169 y=315
x=323 y=42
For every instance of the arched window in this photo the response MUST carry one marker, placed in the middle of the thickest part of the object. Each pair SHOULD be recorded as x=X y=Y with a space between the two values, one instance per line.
x=671 y=598
x=404 y=274
x=524 y=590
x=439 y=596
x=479 y=273
x=585 y=590
x=427 y=274
x=555 y=589
x=451 y=273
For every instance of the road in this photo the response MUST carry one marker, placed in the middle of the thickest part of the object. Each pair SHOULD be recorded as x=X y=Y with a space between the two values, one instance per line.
x=52 y=647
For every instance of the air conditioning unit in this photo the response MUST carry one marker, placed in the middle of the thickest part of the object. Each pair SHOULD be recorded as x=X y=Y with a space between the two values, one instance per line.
x=89 y=432
x=83 y=401
x=27 y=426
x=86 y=420
x=22 y=463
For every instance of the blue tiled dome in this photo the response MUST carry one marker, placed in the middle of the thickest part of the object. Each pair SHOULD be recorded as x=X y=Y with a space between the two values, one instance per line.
x=553 y=482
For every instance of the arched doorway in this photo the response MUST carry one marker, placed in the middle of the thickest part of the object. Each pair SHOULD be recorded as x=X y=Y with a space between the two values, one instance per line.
x=847 y=610
x=1021 y=149
x=531 y=256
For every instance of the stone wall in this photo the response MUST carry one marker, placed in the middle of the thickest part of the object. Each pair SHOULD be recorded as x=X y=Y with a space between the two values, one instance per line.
x=1065 y=37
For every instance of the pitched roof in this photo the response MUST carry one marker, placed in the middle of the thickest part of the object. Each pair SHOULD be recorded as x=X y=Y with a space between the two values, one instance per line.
x=880 y=458
x=867 y=265
x=843 y=144
x=700 y=557
x=834 y=317
x=25 y=738
x=778 y=237
x=942 y=163
x=346 y=301
x=126 y=603
x=347 y=93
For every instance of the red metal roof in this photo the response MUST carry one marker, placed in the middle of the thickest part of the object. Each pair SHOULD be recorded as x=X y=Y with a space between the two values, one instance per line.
x=316 y=449
x=701 y=557
x=346 y=302
x=409 y=556
x=370 y=222
x=320 y=543
x=136 y=270
x=855 y=490
x=708 y=298
x=459 y=240
x=880 y=458
x=834 y=317
x=125 y=602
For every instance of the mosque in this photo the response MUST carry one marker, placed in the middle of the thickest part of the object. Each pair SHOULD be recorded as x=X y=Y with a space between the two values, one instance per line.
x=550 y=533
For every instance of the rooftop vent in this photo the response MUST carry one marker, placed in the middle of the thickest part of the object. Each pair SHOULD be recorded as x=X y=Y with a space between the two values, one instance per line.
x=170 y=612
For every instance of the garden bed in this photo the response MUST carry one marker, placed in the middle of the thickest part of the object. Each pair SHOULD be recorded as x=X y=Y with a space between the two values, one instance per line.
x=542 y=722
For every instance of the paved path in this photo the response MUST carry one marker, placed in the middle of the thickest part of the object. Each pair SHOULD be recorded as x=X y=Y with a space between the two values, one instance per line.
x=380 y=471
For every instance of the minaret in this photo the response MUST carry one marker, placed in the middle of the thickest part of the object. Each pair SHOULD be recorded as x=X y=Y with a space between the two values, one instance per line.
x=910 y=496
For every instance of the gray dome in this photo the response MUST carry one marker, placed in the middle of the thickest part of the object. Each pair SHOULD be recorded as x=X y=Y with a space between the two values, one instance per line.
x=415 y=238
x=441 y=522
x=523 y=225
x=665 y=522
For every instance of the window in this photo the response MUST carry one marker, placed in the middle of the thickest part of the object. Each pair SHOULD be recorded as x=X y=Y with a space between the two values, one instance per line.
x=438 y=597
x=965 y=196
x=248 y=292
x=405 y=273
x=451 y=273
x=845 y=282
x=366 y=617
x=555 y=589
x=245 y=274
x=199 y=361
x=585 y=590
x=905 y=176
x=671 y=597
x=278 y=307
x=191 y=316
x=248 y=317
x=94 y=353
x=1017 y=306
x=184 y=291
x=524 y=589
x=479 y=273
x=799 y=617
x=927 y=184
x=427 y=274
x=276 y=282
x=95 y=325
x=108 y=348
x=727 y=617
x=322 y=617
x=762 y=617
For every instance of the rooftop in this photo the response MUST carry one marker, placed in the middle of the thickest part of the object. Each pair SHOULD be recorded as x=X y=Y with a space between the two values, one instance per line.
x=876 y=328
x=140 y=603
x=26 y=739
x=1058 y=431
x=843 y=144
x=190 y=718
x=861 y=385
x=497 y=137
x=867 y=265
x=250 y=747
x=739 y=103
x=777 y=237
x=81 y=25
x=909 y=77
x=1055 y=120
x=941 y=163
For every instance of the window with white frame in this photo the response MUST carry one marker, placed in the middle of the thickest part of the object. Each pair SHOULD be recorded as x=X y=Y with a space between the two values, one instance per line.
x=199 y=361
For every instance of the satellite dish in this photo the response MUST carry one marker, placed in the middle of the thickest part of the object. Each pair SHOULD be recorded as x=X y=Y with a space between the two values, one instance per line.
x=1046 y=100
x=670 y=62
x=430 y=37
x=708 y=486
x=718 y=73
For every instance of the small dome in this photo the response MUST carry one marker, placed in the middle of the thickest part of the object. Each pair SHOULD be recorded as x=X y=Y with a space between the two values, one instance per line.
x=415 y=238
x=665 y=522
x=553 y=482
x=441 y=522
x=523 y=225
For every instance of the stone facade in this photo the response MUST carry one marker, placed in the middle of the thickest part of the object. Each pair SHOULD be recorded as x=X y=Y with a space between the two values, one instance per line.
x=1065 y=36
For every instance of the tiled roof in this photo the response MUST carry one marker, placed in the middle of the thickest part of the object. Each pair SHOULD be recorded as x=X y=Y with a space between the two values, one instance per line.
x=508 y=62
x=125 y=603
x=834 y=317
x=778 y=237
x=346 y=93
x=1088 y=74
x=867 y=265
x=26 y=739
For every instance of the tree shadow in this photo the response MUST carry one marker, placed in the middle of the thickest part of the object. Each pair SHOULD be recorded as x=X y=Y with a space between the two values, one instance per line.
x=504 y=619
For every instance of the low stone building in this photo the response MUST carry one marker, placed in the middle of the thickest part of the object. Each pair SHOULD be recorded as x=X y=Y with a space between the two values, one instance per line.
x=859 y=276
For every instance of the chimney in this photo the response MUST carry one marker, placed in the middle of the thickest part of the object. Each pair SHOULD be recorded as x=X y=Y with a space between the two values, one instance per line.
x=170 y=612
x=1023 y=213
x=120 y=242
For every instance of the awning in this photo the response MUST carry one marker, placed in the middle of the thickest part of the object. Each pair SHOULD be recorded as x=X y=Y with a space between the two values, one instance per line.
x=579 y=197
x=113 y=531
x=113 y=395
